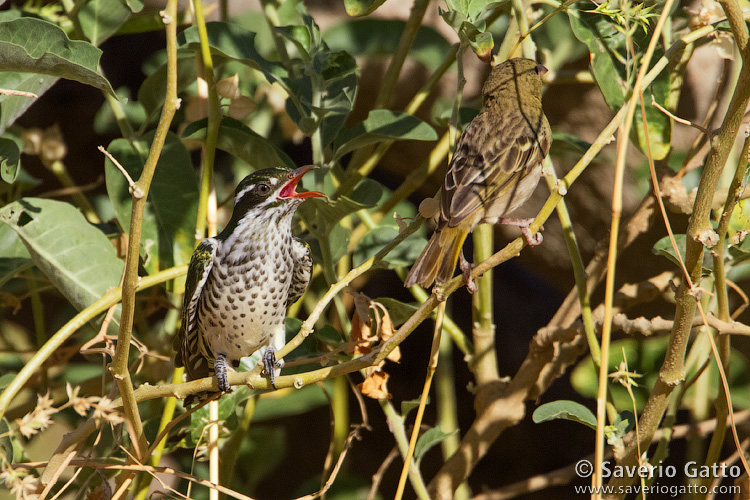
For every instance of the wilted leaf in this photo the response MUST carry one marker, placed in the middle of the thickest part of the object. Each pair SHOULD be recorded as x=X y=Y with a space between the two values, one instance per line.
x=375 y=386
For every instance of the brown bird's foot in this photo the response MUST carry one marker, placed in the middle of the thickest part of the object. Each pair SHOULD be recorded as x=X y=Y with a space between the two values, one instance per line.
x=466 y=268
x=220 y=368
x=270 y=363
x=523 y=224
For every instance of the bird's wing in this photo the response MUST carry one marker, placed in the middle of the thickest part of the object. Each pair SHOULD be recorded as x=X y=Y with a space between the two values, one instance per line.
x=489 y=157
x=200 y=267
x=301 y=271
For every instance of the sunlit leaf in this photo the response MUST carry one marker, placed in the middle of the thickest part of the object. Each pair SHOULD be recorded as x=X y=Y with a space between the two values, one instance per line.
x=30 y=45
x=77 y=258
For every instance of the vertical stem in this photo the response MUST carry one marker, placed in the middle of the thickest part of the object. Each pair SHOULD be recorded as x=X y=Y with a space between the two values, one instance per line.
x=484 y=364
x=213 y=448
x=119 y=366
x=435 y=351
x=396 y=426
x=214 y=119
x=447 y=408
x=37 y=311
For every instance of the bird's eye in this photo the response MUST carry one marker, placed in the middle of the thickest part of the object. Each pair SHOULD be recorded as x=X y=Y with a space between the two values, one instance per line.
x=540 y=70
x=263 y=188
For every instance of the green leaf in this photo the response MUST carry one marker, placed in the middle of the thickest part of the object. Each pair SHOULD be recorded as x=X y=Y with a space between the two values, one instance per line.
x=10 y=160
x=603 y=41
x=428 y=440
x=134 y=5
x=239 y=140
x=14 y=257
x=399 y=311
x=30 y=45
x=13 y=106
x=7 y=453
x=361 y=7
x=300 y=36
x=383 y=36
x=100 y=19
x=199 y=419
x=172 y=206
x=153 y=90
x=659 y=124
x=105 y=121
x=264 y=447
x=76 y=257
x=6 y=379
x=381 y=125
x=374 y=241
x=231 y=41
x=664 y=248
x=408 y=406
x=566 y=410
x=740 y=253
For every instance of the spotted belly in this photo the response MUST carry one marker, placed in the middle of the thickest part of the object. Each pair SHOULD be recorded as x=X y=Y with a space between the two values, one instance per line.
x=238 y=318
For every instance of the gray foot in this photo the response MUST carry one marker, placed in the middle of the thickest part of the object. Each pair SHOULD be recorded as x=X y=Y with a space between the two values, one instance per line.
x=270 y=363
x=220 y=368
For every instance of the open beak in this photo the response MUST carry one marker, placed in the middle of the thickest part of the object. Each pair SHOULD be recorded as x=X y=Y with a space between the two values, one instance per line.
x=289 y=189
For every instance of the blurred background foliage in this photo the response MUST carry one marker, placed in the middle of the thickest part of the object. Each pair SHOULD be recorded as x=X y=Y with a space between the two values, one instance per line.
x=315 y=82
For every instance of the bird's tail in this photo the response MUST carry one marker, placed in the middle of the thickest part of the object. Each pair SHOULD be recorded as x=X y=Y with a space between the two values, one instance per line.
x=438 y=259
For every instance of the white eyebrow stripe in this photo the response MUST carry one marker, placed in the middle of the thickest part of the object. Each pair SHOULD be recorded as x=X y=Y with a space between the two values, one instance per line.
x=242 y=193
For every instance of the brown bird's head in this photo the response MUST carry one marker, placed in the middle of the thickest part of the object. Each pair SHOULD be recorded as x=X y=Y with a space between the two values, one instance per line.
x=513 y=79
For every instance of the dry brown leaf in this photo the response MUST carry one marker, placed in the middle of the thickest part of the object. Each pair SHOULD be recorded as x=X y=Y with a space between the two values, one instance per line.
x=375 y=385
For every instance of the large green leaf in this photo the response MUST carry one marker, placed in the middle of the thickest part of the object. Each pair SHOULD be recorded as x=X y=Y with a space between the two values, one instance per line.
x=30 y=45
x=606 y=44
x=428 y=440
x=239 y=140
x=13 y=254
x=380 y=125
x=231 y=41
x=101 y=19
x=153 y=90
x=77 y=258
x=171 y=209
x=664 y=248
x=380 y=37
x=13 y=106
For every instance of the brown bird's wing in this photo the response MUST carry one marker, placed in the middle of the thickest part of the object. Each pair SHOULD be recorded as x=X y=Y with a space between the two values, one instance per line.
x=491 y=157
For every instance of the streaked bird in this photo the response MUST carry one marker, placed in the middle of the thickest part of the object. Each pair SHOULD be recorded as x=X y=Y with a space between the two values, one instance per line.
x=240 y=282
x=495 y=168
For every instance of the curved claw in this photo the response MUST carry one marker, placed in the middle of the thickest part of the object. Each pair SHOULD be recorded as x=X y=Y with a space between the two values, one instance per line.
x=270 y=363
x=220 y=368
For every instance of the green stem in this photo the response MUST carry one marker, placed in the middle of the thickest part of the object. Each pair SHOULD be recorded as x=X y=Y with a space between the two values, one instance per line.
x=37 y=311
x=484 y=364
x=447 y=408
x=396 y=426
x=214 y=119
x=119 y=366
x=576 y=261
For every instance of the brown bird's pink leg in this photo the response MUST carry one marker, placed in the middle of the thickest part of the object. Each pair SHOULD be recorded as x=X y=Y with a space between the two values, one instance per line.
x=532 y=239
x=466 y=267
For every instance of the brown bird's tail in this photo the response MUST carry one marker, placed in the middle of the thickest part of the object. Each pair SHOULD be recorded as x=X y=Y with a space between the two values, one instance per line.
x=438 y=259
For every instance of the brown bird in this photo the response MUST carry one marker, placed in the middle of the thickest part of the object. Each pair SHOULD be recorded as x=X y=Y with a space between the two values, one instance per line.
x=495 y=168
